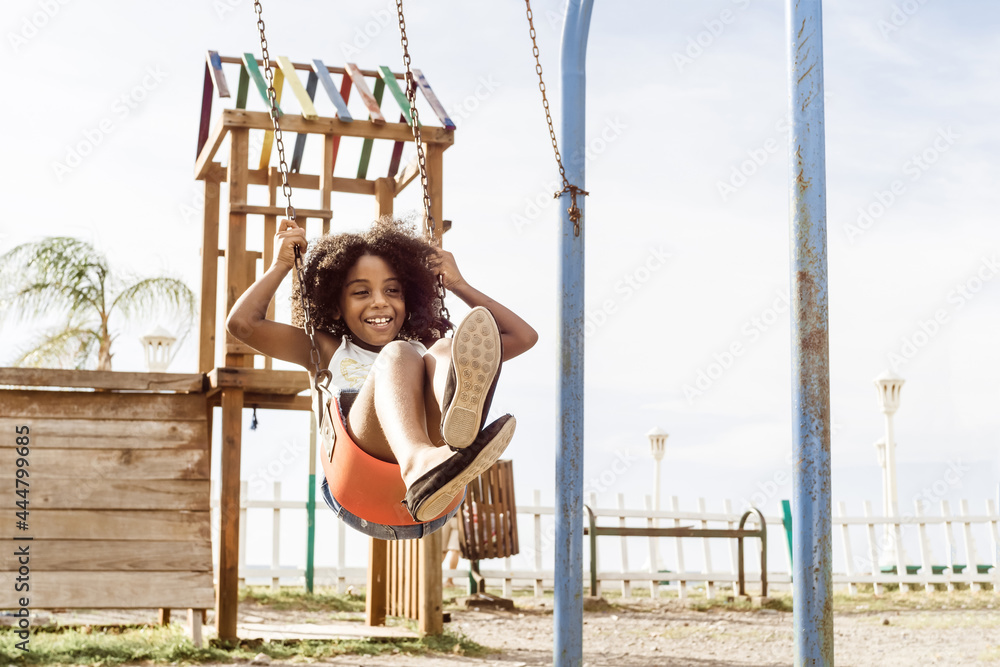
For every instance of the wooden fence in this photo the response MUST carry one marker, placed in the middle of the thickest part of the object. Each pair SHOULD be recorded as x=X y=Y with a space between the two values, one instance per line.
x=935 y=549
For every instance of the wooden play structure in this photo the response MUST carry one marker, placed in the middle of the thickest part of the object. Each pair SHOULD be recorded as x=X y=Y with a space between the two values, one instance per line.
x=120 y=462
x=240 y=381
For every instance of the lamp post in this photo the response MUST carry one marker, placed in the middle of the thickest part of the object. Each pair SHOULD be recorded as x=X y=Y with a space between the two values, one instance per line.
x=657 y=444
x=888 y=386
x=157 y=345
x=880 y=453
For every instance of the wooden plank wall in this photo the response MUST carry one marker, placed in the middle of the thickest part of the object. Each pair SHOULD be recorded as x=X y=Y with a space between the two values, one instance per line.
x=118 y=501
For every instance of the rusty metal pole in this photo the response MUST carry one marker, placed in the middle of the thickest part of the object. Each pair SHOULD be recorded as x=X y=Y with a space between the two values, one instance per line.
x=812 y=578
x=568 y=612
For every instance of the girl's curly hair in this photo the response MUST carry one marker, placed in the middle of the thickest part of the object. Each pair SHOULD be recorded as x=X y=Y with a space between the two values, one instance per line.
x=330 y=258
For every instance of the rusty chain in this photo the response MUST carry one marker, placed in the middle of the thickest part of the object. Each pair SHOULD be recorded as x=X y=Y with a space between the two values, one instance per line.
x=575 y=215
x=411 y=97
x=286 y=189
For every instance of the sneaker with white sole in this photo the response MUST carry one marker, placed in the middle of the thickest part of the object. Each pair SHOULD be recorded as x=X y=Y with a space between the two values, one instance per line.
x=476 y=352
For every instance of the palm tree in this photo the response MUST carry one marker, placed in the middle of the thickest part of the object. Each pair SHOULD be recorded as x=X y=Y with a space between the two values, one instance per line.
x=68 y=281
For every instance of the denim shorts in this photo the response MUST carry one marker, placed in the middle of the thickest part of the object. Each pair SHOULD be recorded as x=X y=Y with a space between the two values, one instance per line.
x=382 y=531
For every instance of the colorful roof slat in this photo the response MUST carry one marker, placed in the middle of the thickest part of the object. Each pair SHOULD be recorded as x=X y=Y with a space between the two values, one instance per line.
x=432 y=99
x=390 y=81
x=304 y=98
x=218 y=77
x=250 y=63
x=339 y=102
x=376 y=99
x=373 y=105
x=265 y=149
x=300 y=140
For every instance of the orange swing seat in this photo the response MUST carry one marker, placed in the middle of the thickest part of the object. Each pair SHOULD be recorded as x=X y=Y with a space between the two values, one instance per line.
x=365 y=486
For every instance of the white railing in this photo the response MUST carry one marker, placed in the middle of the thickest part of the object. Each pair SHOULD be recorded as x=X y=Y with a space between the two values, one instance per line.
x=942 y=549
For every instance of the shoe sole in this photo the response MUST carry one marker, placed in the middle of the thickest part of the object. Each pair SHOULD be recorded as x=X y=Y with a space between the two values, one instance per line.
x=475 y=355
x=438 y=502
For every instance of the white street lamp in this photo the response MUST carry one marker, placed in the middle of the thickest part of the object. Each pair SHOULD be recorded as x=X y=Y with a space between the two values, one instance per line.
x=157 y=345
x=880 y=452
x=888 y=387
x=657 y=445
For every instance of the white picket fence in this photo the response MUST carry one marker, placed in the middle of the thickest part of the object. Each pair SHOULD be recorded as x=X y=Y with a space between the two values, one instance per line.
x=935 y=549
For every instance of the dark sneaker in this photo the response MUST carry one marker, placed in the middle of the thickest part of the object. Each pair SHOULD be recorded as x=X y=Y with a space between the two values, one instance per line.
x=476 y=352
x=431 y=494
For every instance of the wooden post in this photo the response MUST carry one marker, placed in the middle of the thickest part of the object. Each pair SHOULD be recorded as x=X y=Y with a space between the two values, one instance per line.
x=375 y=597
x=209 y=277
x=270 y=228
x=194 y=626
x=326 y=179
x=429 y=593
x=164 y=617
x=435 y=178
x=385 y=190
x=227 y=594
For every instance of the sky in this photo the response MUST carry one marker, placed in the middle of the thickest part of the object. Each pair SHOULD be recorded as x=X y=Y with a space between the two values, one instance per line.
x=687 y=223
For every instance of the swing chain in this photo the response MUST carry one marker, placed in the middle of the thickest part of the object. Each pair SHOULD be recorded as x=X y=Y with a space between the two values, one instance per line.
x=411 y=97
x=575 y=215
x=286 y=189
x=272 y=96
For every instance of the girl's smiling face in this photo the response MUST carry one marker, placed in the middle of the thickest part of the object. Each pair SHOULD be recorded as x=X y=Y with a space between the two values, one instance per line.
x=371 y=302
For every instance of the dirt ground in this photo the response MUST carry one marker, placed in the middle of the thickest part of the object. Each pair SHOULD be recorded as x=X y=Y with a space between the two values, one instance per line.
x=625 y=632
x=641 y=632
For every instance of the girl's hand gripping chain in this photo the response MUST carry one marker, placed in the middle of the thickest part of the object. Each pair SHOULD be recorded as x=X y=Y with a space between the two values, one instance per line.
x=288 y=237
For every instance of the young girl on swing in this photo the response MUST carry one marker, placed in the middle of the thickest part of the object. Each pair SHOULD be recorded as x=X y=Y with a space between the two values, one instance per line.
x=421 y=399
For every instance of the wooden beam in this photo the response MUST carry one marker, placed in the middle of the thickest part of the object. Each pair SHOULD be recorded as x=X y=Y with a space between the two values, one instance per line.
x=113 y=494
x=435 y=187
x=204 y=162
x=430 y=616
x=323 y=125
x=376 y=592
x=56 y=377
x=94 y=433
x=36 y=404
x=405 y=177
x=109 y=590
x=227 y=593
x=236 y=259
x=259 y=380
x=90 y=467
x=209 y=277
x=385 y=191
x=280 y=210
x=166 y=525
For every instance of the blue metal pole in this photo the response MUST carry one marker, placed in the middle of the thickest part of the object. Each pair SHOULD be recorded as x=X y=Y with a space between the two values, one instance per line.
x=568 y=617
x=811 y=543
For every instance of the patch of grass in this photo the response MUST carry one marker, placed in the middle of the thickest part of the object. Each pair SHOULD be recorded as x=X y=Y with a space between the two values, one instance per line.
x=111 y=646
x=297 y=599
x=867 y=602
x=156 y=644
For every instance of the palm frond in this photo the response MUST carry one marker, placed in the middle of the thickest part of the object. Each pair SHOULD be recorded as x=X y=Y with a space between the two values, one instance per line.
x=55 y=275
x=155 y=295
x=70 y=346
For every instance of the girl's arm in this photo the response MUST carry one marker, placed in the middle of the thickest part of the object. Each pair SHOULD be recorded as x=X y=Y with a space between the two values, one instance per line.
x=517 y=335
x=248 y=319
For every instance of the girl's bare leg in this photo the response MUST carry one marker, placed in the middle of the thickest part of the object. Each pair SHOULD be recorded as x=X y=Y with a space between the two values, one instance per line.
x=398 y=400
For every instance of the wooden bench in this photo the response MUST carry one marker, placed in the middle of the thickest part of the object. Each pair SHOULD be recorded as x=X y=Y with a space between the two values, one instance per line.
x=594 y=531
